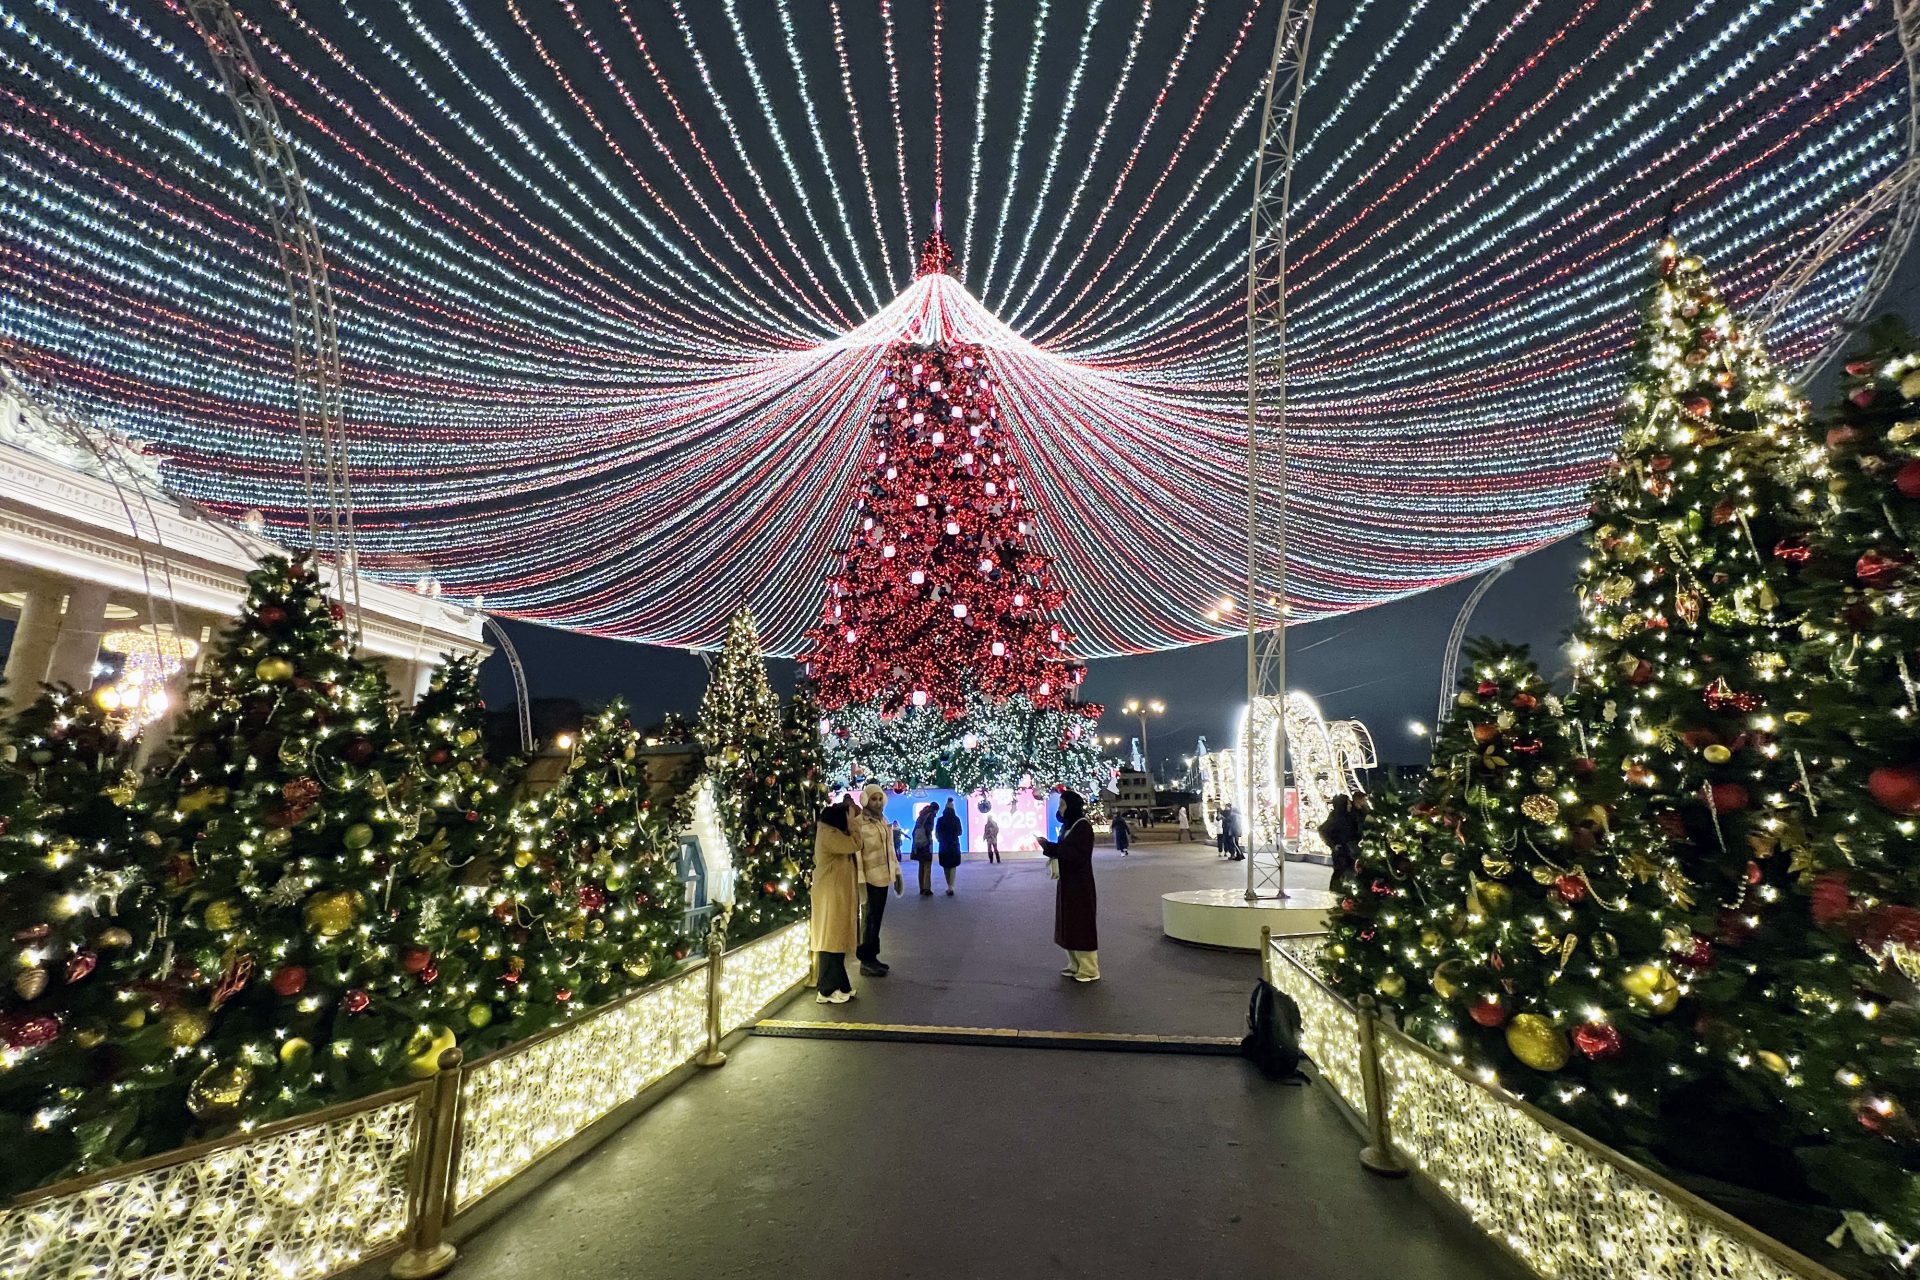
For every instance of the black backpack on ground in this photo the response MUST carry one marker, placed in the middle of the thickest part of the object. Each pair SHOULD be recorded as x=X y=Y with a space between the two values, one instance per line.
x=1272 y=1042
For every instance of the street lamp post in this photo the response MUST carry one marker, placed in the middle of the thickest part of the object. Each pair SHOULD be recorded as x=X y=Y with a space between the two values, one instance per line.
x=1141 y=710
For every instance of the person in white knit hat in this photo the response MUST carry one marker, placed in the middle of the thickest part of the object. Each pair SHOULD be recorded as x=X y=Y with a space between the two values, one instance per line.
x=879 y=869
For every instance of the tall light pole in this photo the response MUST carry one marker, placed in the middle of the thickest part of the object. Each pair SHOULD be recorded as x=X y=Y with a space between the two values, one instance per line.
x=1141 y=710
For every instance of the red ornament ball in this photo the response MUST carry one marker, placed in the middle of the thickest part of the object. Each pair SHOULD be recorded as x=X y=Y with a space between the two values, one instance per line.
x=1896 y=788
x=1841 y=436
x=1598 y=1040
x=359 y=751
x=563 y=995
x=1570 y=888
x=21 y=1034
x=1829 y=899
x=1877 y=571
x=272 y=616
x=290 y=981
x=1697 y=954
x=1487 y=1011
x=415 y=959
x=355 y=1001
x=1907 y=479
x=473 y=815
x=1725 y=797
x=1891 y=923
x=337 y=610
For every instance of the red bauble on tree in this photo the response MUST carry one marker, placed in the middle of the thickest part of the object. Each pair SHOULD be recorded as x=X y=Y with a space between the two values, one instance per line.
x=1896 y=787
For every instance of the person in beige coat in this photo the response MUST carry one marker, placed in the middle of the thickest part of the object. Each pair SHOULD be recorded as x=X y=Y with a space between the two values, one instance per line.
x=879 y=871
x=835 y=925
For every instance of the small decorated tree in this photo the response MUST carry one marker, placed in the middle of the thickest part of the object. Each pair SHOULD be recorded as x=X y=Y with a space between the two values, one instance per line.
x=739 y=703
x=608 y=852
x=288 y=843
x=77 y=936
x=474 y=907
x=775 y=792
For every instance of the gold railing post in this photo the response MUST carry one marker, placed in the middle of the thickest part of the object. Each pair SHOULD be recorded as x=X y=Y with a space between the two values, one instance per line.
x=1266 y=954
x=1378 y=1155
x=711 y=1056
x=427 y=1254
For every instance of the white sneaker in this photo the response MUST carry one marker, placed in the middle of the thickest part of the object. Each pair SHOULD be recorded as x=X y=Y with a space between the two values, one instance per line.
x=840 y=997
x=1086 y=977
x=823 y=1000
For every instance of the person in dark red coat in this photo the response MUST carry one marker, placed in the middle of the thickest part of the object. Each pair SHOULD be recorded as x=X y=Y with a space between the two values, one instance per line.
x=1071 y=860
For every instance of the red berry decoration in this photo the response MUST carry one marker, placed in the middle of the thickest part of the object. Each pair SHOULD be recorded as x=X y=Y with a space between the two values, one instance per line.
x=356 y=1001
x=1598 y=1040
x=290 y=981
x=1487 y=1011
x=1907 y=479
x=1896 y=788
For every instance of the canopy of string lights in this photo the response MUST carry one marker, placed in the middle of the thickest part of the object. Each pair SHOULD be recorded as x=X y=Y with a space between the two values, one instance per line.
x=615 y=279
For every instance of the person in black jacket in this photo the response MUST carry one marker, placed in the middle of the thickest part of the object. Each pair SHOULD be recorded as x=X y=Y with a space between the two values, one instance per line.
x=1341 y=831
x=946 y=834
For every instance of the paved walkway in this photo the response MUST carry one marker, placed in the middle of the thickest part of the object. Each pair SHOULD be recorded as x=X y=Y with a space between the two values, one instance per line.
x=985 y=957
x=836 y=1159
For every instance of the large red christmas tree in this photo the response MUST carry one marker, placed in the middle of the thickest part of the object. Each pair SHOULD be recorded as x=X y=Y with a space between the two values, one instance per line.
x=942 y=604
x=941 y=594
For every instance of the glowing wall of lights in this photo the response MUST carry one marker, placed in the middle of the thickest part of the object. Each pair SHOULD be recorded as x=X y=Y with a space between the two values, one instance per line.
x=525 y=1101
x=298 y=1204
x=755 y=975
x=1567 y=1207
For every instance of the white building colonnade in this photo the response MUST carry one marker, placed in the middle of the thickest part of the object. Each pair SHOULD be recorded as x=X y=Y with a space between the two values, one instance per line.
x=92 y=549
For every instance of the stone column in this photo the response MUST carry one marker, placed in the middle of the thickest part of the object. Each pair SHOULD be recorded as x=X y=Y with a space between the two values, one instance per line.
x=78 y=646
x=33 y=638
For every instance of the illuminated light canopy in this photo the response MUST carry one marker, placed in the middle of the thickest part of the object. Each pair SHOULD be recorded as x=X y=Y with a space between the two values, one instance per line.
x=616 y=279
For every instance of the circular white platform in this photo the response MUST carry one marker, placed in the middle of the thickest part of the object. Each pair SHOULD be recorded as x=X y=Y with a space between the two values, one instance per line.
x=1224 y=918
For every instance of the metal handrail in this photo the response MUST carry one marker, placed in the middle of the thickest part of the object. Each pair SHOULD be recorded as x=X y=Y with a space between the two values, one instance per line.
x=1746 y=1234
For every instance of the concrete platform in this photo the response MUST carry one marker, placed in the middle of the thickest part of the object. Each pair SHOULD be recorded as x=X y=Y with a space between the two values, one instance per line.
x=1224 y=918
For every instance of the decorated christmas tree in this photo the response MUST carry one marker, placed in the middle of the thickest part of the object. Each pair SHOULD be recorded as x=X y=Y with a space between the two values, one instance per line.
x=474 y=906
x=1687 y=646
x=77 y=926
x=1836 y=957
x=942 y=616
x=288 y=849
x=608 y=852
x=739 y=703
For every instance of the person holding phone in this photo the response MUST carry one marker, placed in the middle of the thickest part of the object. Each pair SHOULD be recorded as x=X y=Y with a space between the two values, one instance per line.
x=1075 y=903
x=879 y=871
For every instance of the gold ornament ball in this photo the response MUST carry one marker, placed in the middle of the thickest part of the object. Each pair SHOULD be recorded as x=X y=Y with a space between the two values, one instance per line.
x=1773 y=1062
x=273 y=670
x=331 y=912
x=479 y=1015
x=1431 y=939
x=113 y=939
x=523 y=858
x=134 y=1019
x=1910 y=385
x=1391 y=985
x=1537 y=1042
x=29 y=983
x=296 y=1053
x=1716 y=754
x=1652 y=986
x=467 y=737
x=188 y=1027
x=1489 y=899
x=1446 y=978
x=217 y=1092
x=222 y=914
x=425 y=1048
